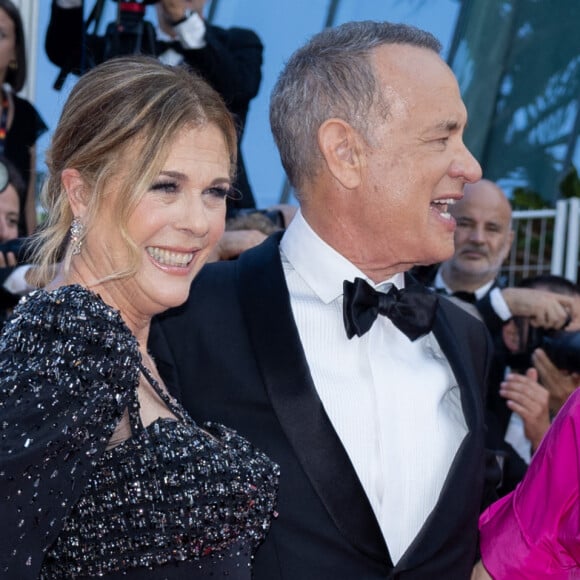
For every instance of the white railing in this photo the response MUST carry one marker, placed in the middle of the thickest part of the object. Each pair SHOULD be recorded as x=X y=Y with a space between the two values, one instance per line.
x=546 y=241
x=573 y=240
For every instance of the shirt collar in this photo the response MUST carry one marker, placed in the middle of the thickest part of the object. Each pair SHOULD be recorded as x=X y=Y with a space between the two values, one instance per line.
x=439 y=284
x=319 y=265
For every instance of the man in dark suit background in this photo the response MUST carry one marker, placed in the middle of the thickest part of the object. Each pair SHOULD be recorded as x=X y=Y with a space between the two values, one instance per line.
x=483 y=239
x=379 y=432
x=229 y=59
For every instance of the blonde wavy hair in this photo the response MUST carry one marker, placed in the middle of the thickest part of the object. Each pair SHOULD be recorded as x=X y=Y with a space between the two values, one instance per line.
x=125 y=103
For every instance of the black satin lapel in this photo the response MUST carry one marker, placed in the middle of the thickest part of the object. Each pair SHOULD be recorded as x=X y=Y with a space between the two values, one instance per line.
x=440 y=522
x=456 y=353
x=274 y=336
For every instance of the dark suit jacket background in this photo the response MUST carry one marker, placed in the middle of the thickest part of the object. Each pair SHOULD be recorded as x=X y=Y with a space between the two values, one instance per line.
x=231 y=62
x=233 y=355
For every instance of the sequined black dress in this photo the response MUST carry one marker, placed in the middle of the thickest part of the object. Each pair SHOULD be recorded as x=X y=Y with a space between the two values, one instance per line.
x=173 y=501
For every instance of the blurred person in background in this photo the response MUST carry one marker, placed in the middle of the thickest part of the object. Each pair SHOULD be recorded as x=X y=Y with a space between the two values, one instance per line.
x=472 y=276
x=229 y=59
x=13 y=283
x=20 y=123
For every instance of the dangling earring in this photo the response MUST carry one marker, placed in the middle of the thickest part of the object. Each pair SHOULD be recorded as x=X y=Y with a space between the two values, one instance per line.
x=77 y=232
x=13 y=65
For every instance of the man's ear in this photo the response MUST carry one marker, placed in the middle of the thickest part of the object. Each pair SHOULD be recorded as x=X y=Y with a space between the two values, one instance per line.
x=76 y=191
x=340 y=145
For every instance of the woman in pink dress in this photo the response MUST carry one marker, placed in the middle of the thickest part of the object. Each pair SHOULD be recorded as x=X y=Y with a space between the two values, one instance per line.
x=534 y=532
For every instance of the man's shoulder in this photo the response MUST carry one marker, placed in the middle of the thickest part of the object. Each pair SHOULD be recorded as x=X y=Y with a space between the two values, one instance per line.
x=224 y=278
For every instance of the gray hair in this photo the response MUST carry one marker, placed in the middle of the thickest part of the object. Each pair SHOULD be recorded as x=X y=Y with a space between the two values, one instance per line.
x=332 y=76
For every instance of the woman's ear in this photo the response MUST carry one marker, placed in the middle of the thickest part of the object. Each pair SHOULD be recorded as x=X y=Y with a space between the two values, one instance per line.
x=339 y=144
x=76 y=191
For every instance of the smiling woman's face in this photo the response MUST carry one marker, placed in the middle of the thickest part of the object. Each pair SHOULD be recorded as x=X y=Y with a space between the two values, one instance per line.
x=175 y=226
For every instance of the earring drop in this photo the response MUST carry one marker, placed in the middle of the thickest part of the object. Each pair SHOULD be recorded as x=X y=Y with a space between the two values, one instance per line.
x=77 y=232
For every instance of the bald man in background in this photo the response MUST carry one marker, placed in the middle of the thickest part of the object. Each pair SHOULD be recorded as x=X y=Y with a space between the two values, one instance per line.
x=483 y=239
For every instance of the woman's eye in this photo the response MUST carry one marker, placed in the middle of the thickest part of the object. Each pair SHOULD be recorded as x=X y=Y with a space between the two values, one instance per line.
x=165 y=186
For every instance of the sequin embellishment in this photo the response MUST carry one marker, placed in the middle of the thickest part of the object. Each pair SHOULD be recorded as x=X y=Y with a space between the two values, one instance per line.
x=173 y=493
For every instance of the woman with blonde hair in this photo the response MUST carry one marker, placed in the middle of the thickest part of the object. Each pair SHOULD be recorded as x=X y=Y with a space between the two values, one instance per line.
x=103 y=473
x=20 y=123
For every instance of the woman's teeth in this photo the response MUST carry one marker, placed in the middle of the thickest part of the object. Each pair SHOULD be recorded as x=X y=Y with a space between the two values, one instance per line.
x=168 y=258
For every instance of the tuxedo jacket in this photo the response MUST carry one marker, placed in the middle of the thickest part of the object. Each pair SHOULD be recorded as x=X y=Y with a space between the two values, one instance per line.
x=232 y=353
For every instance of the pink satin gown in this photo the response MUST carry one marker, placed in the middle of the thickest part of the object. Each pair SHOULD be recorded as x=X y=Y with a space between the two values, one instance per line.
x=534 y=532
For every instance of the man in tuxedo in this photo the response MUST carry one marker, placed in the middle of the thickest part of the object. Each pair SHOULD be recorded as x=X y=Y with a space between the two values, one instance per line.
x=376 y=421
x=229 y=59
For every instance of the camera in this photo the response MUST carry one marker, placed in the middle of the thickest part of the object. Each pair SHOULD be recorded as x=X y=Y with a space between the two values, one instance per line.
x=562 y=347
x=130 y=33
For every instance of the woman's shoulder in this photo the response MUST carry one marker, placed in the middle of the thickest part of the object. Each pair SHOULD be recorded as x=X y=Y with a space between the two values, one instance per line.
x=70 y=314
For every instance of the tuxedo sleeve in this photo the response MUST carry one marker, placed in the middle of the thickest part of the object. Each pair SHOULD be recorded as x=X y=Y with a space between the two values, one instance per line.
x=64 y=35
x=231 y=62
x=66 y=43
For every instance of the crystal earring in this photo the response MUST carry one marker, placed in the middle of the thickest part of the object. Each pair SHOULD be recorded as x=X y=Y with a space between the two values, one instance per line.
x=77 y=232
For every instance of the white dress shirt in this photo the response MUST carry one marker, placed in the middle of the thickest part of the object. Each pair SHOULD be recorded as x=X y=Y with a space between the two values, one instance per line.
x=395 y=404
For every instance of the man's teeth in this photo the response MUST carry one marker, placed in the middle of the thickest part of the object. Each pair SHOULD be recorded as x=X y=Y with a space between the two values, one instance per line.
x=168 y=258
x=442 y=206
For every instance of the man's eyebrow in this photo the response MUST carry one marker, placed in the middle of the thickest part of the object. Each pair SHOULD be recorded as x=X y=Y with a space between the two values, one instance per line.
x=448 y=125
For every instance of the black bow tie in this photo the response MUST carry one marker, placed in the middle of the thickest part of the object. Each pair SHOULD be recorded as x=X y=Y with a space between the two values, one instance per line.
x=465 y=296
x=462 y=295
x=411 y=310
